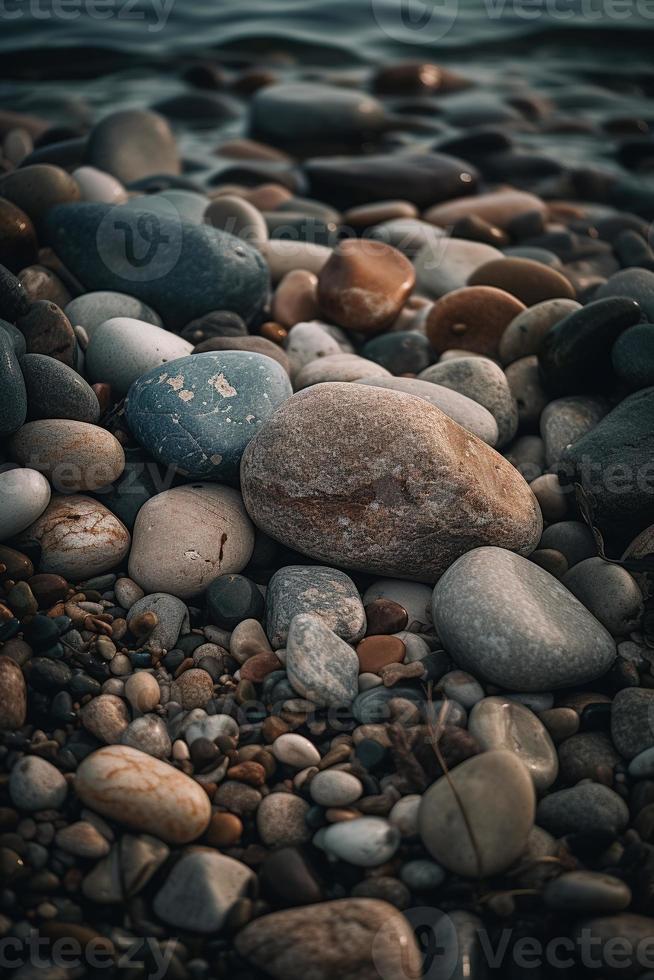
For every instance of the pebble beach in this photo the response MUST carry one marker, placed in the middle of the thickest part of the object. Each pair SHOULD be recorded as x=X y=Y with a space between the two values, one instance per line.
x=327 y=527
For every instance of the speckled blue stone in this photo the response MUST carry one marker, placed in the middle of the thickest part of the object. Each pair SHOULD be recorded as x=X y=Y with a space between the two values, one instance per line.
x=198 y=413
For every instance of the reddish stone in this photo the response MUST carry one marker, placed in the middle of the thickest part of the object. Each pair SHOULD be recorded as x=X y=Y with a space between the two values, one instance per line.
x=376 y=652
x=473 y=318
x=258 y=667
x=385 y=616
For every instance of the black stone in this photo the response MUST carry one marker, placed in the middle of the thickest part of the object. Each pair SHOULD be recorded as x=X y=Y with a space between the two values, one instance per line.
x=400 y=352
x=41 y=632
x=231 y=599
x=48 y=675
x=633 y=356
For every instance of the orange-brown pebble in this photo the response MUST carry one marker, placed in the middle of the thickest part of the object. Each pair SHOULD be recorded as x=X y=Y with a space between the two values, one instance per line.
x=295 y=298
x=417 y=78
x=385 y=616
x=364 y=284
x=272 y=727
x=274 y=331
x=48 y=588
x=268 y=197
x=104 y=396
x=375 y=652
x=366 y=215
x=247 y=149
x=337 y=814
x=531 y=282
x=225 y=830
x=251 y=773
x=498 y=208
x=473 y=318
x=258 y=667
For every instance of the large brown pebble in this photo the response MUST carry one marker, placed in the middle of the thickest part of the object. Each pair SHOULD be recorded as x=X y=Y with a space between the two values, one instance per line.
x=37 y=188
x=141 y=792
x=79 y=538
x=531 y=282
x=225 y=830
x=13 y=695
x=497 y=208
x=385 y=616
x=257 y=668
x=375 y=652
x=473 y=318
x=18 y=245
x=75 y=456
x=106 y=717
x=193 y=688
x=18 y=566
x=47 y=330
x=364 y=284
x=48 y=589
x=295 y=299
x=41 y=283
x=257 y=344
x=377 y=480
x=351 y=938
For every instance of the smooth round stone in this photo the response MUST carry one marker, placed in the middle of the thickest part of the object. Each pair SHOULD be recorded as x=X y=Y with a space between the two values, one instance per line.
x=497 y=723
x=202 y=890
x=382 y=945
x=91 y=309
x=18 y=245
x=527 y=454
x=200 y=270
x=16 y=337
x=121 y=350
x=35 y=784
x=421 y=875
x=13 y=694
x=83 y=840
x=96 y=185
x=55 y=390
x=73 y=455
x=79 y=538
x=402 y=351
x=561 y=723
x=14 y=301
x=443 y=265
x=642 y=765
x=467 y=413
x=473 y=318
x=408 y=235
x=497 y=793
x=565 y=420
x=199 y=414
x=132 y=144
x=541 y=639
x=404 y=815
x=283 y=256
x=524 y=381
x=573 y=539
x=633 y=356
x=337 y=443
x=193 y=689
x=461 y=687
x=385 y=616
x=609 y=592
x=232 y=599
x=184 y=538
x=364 y=285
x=307 y=342
x=320 y=666
x=138 y=791
x=376 y=652
x=365 y=842
x=525 y=334
x=325 y=593
x=189 y=205
x=281 y=820
x=587 y=892
x=172 y=620
x=256 y=345
x=295 y=751
x=238 y=217
x=587 y=755
x=106 y=717
x=248 y=639
x=637 y=284
x=127 y=592
x=47 y=330
x=289 y=112
x=632 y=712
x=295 y=299
x=41 y=283
x=575 y=356
x=333 y=787
x=588 y=808
x=142 y=691
x=497 y=208
x=336 y=367
x=412 y=596
x=13 y=407
x=483 y=381
x=531 y=282
x=24 y=495
x=37 y=188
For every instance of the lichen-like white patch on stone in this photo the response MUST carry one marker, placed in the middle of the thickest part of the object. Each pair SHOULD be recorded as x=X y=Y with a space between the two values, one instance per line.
x=192 y=555
x=216 y=459
x=249 y=418
x=186 y=395
x=176 y=383
x=220 y=383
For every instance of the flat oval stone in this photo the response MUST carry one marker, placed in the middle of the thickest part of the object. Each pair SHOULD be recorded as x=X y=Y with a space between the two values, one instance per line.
x=35 y=784
x=329 y=474
x=467 y=413
x=55 y=390
x=295 y=751
x=334 y=787
x=121 y=350
x=256 y=345
x=497 y=793
x=13 y=407
x=588 y=808
x=307 y=342
x=637 y=284
x=199 y=412
x=323 y=592
x=376 y=652
x=609 y=592
x=91 y=309
x=200 y=270
x=185 y=537
x=632 y=712
x=401 y=351
x=24 y=495
x=337 y=367
x=238 y=217
x=132 y=144
x=310 y=111
x=525 y=334
x=79 y=538
x=539 y=640
x=443 y=265
x=473 y=318
x=320 y=666
x=498 y=723
x=586 y=892
x=364 y=285
x=564 y=420
x=142 y=793
x=73 y=455
x=365 y=842
x=96 y=185
x=281 y=820
x=497 y=208
x=37 y=188
x=633 y=356
x=530 y=281
x=47 y=330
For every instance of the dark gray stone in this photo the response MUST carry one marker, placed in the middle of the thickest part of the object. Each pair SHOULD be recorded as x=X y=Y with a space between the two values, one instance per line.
x=588 y=808
x=54 y=390
x=13 y=401
x=632 y=720
x=321 y=667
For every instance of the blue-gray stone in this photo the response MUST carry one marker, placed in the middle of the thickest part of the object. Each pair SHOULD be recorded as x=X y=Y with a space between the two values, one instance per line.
x=55 y=391
x=321 y=667
x=92 y=309
x=180 y=269
x=588 y=808
x=16 y=337
x=637 y=284
x=317 y=589
x=400 y=352
x=198 y=413
x=13 y=402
